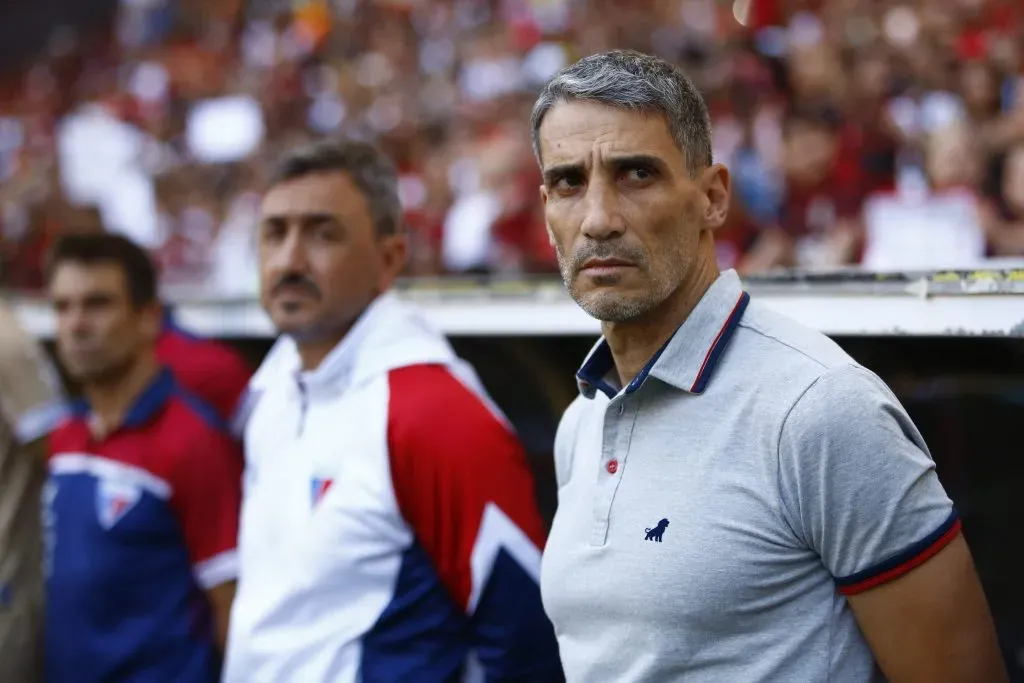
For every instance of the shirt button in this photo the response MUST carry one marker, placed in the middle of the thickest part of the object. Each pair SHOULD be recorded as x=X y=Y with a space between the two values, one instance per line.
x=612 y=466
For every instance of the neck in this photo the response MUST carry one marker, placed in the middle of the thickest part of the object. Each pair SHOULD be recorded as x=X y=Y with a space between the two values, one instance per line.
x=313 y=346
x=633 y=343
x=111 y=400
x=313 y=352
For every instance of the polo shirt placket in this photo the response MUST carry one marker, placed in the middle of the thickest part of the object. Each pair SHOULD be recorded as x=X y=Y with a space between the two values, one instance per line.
x=619 y=421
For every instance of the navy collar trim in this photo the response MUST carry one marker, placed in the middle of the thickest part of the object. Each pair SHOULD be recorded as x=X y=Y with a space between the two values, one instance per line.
x=600 y=367
x=598 y=370
x=719 y=345
x=147 y=405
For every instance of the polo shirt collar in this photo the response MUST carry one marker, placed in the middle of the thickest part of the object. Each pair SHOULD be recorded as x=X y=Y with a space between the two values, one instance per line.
x=145 y=407
x=688 y=359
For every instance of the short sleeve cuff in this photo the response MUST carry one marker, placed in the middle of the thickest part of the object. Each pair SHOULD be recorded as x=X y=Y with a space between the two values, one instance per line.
x=903 y=562
x=219 y=569
x=39 y=421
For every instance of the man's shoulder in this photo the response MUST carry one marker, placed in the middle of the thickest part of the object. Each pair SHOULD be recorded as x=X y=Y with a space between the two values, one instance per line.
x=198 y=355
x=781 y=339
x=187 y=420
x=793 y=365
x=810 y=378
x=432 y=396
x=773 y=351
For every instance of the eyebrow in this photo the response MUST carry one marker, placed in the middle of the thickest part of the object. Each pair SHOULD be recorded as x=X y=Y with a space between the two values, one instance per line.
x=305 y=218
x=630 y=160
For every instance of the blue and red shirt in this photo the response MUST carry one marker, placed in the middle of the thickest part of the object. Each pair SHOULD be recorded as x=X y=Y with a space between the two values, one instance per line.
x=138 y=525
x=212 y=371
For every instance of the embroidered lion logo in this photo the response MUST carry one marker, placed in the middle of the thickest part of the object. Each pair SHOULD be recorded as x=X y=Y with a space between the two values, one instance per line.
x=656 y=533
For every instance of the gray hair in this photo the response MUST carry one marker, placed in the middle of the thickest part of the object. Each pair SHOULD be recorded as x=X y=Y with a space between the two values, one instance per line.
x=369 y=168
x=631 y=80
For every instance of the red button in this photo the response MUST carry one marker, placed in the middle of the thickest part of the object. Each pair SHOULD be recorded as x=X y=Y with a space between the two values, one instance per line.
x=612 y=466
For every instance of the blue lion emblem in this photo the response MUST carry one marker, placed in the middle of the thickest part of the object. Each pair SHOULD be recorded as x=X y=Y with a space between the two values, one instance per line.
x=656 y=533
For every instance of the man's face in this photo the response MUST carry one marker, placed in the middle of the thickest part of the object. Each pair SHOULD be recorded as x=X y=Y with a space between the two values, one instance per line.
x=100 y=333
x=622 y=211
x=321 y=261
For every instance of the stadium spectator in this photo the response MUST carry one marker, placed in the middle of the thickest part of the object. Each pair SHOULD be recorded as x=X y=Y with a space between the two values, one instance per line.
x=31 y=405
x=389 y=530
x=141 y=507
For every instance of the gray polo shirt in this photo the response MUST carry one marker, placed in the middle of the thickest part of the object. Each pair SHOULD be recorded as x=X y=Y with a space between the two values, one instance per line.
x=713 y=514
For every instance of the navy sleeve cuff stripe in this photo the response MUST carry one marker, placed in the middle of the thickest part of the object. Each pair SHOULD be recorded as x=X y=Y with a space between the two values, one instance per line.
x=900 y=564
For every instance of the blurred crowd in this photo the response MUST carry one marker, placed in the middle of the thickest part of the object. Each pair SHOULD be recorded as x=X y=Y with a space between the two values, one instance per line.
x=888 y=133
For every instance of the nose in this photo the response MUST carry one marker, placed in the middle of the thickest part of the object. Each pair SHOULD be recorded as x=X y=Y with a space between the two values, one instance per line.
x=75 y=321
x=291 y=254
x=603 y=217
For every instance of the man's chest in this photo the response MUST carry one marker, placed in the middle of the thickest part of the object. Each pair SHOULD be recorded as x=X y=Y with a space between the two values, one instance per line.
x=105 y=519
x=318 y=492
x=682 y=531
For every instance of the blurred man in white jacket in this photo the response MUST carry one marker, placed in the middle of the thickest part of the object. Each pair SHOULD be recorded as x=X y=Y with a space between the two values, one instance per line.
x=389 y=531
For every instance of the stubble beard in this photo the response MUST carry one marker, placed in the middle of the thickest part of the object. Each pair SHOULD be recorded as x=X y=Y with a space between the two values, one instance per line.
x=611 y=306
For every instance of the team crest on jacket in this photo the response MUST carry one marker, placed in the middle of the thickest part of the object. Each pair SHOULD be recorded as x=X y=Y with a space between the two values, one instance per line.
x=113 y=501
x=320 y=487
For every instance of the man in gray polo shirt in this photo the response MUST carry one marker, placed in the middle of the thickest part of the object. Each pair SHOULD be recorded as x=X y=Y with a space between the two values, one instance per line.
x=739 y=500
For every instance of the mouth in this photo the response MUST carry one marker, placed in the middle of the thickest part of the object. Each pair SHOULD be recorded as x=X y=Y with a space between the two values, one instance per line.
x=603 y=266
x=294 y=292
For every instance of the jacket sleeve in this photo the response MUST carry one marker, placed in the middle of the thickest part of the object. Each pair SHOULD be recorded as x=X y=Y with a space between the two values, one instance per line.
x=464 y=486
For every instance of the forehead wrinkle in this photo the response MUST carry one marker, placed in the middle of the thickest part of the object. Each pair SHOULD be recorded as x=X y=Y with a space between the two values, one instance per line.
x=570 y=138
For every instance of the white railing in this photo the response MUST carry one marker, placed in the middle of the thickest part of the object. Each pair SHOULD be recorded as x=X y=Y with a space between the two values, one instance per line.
x=838 y=303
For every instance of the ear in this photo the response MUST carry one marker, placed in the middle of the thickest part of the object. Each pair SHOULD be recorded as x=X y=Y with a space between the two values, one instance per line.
x=394 y=253
x=718 y=190
x=547 y=225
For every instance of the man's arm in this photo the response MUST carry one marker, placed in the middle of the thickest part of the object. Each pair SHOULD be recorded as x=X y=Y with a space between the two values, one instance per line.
x=221 y=598
x=859 y=487
x=933 y=623
x=464 y=486
x=207 y=500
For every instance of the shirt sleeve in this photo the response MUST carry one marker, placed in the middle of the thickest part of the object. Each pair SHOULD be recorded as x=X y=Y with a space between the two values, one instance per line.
x=30 y=390
x=858 y=485
x=207 y=499
x=464 y=486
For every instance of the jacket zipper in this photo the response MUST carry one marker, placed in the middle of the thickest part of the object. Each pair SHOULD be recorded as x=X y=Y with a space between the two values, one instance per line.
x=303 y=406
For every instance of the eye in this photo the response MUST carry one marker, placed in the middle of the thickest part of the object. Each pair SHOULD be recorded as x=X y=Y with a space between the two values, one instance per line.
x=272 y=232
x=639 y=174
x=567 y=183
x=326 y=232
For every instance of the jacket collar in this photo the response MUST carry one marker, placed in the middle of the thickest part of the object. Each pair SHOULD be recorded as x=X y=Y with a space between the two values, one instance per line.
x=688 y=359
x=389 y=334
